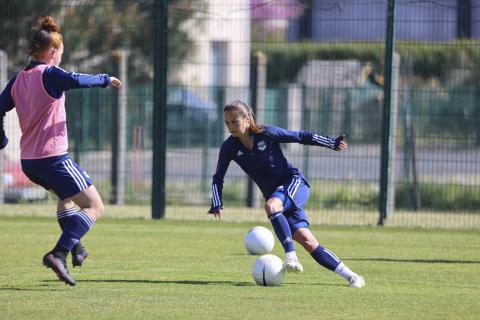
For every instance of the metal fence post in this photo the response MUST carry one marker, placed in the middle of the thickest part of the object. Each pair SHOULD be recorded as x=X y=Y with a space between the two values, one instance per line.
x=119 y=132
x=160 y=108
x=3 y=82
x=258 y=82
x=386 y=196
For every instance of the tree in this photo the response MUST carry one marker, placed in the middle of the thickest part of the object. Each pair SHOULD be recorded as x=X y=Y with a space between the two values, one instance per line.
x=92 y=29
x=16 y=18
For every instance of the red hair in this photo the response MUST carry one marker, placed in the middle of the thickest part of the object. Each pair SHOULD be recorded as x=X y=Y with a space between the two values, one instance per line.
x=46 y=34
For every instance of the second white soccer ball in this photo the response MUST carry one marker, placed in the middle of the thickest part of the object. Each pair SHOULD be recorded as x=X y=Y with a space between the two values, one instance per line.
x=268 y=270
x=259 y=240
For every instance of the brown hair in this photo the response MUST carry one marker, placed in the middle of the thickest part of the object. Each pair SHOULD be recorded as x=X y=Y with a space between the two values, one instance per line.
x=46 y=34
x=245 y=111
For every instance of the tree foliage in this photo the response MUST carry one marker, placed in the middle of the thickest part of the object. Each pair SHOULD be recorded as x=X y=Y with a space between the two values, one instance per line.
x=94 y=29
x=16 y=20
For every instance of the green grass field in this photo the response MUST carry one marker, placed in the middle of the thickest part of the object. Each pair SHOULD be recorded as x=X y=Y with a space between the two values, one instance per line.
x=142 y=269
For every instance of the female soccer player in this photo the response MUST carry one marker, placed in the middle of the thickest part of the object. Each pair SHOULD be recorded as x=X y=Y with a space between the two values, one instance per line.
x=255 y=148
x=38 y=95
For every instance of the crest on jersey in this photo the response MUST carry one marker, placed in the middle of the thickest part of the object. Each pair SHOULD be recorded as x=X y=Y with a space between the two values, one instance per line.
x=261 y=145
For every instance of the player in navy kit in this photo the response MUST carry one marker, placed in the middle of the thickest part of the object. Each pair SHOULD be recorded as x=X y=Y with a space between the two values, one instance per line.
x=255 y=148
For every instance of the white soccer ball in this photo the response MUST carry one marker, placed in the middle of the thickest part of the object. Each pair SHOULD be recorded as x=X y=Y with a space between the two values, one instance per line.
x=268 y=270
x=258 y=241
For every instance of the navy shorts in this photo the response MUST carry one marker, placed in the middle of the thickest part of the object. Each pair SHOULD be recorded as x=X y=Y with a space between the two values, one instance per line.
x=60 y=174
x=294 y=195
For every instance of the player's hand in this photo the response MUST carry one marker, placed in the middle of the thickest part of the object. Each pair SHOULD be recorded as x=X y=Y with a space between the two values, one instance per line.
x=114 y=82
x=340 y=144
x=216 y=211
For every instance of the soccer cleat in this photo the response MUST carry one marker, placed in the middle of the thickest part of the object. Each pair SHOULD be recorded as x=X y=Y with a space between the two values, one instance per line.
x=356 y=282
x=59 y=266
x=79 y=254
x=293 y=265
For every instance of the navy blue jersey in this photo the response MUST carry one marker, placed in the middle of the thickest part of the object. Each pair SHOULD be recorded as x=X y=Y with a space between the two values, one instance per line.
x=265 y=164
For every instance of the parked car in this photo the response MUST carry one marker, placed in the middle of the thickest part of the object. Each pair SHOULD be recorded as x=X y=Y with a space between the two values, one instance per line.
x=17 y=187
x=192 y=120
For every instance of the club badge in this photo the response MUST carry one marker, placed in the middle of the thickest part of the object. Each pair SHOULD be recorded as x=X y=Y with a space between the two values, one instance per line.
x=261 y=145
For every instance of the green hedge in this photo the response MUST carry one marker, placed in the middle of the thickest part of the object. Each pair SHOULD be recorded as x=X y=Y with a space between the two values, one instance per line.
x=440 y=197
x=429 y=60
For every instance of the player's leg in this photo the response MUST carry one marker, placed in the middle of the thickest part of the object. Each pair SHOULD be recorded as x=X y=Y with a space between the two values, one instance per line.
x=39 y=171
x=91 y=208
x=296 y=193
x=274 y=209
x=326 y=258
x=57 y=260
x=69 y=181
x=65 y=210
x=73 y=185
x=299 y=225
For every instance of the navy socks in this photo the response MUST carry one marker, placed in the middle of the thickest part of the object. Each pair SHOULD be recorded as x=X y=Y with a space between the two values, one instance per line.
x=64 y=216
x=282 y=230
x=74 y=229
x=326 y=258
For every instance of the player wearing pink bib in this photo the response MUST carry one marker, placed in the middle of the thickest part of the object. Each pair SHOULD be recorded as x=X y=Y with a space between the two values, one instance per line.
x=37 y=93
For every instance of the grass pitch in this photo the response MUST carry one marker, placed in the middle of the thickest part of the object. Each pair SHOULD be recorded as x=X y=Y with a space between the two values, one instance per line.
x=142 y=269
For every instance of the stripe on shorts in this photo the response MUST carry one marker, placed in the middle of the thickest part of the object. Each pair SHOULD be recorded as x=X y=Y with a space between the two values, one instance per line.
x=75 y=174
x=293 y=187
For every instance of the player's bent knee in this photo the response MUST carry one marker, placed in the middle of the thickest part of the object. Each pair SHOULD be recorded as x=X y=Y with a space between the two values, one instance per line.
x=68 y=203
x=94 y=210
x=271 y=210
x=310 y=246
x=98 y=210
x=273 y=206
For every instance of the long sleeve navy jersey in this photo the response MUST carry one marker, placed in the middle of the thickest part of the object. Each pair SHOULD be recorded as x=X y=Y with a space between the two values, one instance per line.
x=56 y=81
x=265 y=163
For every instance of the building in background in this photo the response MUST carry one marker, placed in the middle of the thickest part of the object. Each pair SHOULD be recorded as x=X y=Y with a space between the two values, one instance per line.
x=221 y=57
x=439 y=21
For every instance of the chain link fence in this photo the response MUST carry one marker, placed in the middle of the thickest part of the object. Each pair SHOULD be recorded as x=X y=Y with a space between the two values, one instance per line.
x=312 y=65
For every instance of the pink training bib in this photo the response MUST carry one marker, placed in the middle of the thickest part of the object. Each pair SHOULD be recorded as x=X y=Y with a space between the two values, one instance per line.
x=43 y=119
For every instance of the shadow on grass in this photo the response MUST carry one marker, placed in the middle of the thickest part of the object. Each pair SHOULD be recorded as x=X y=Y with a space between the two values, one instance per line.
x=196 y=282
x=187 y=282
x=440 y=261
x=43 y=288
x=142 y=281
